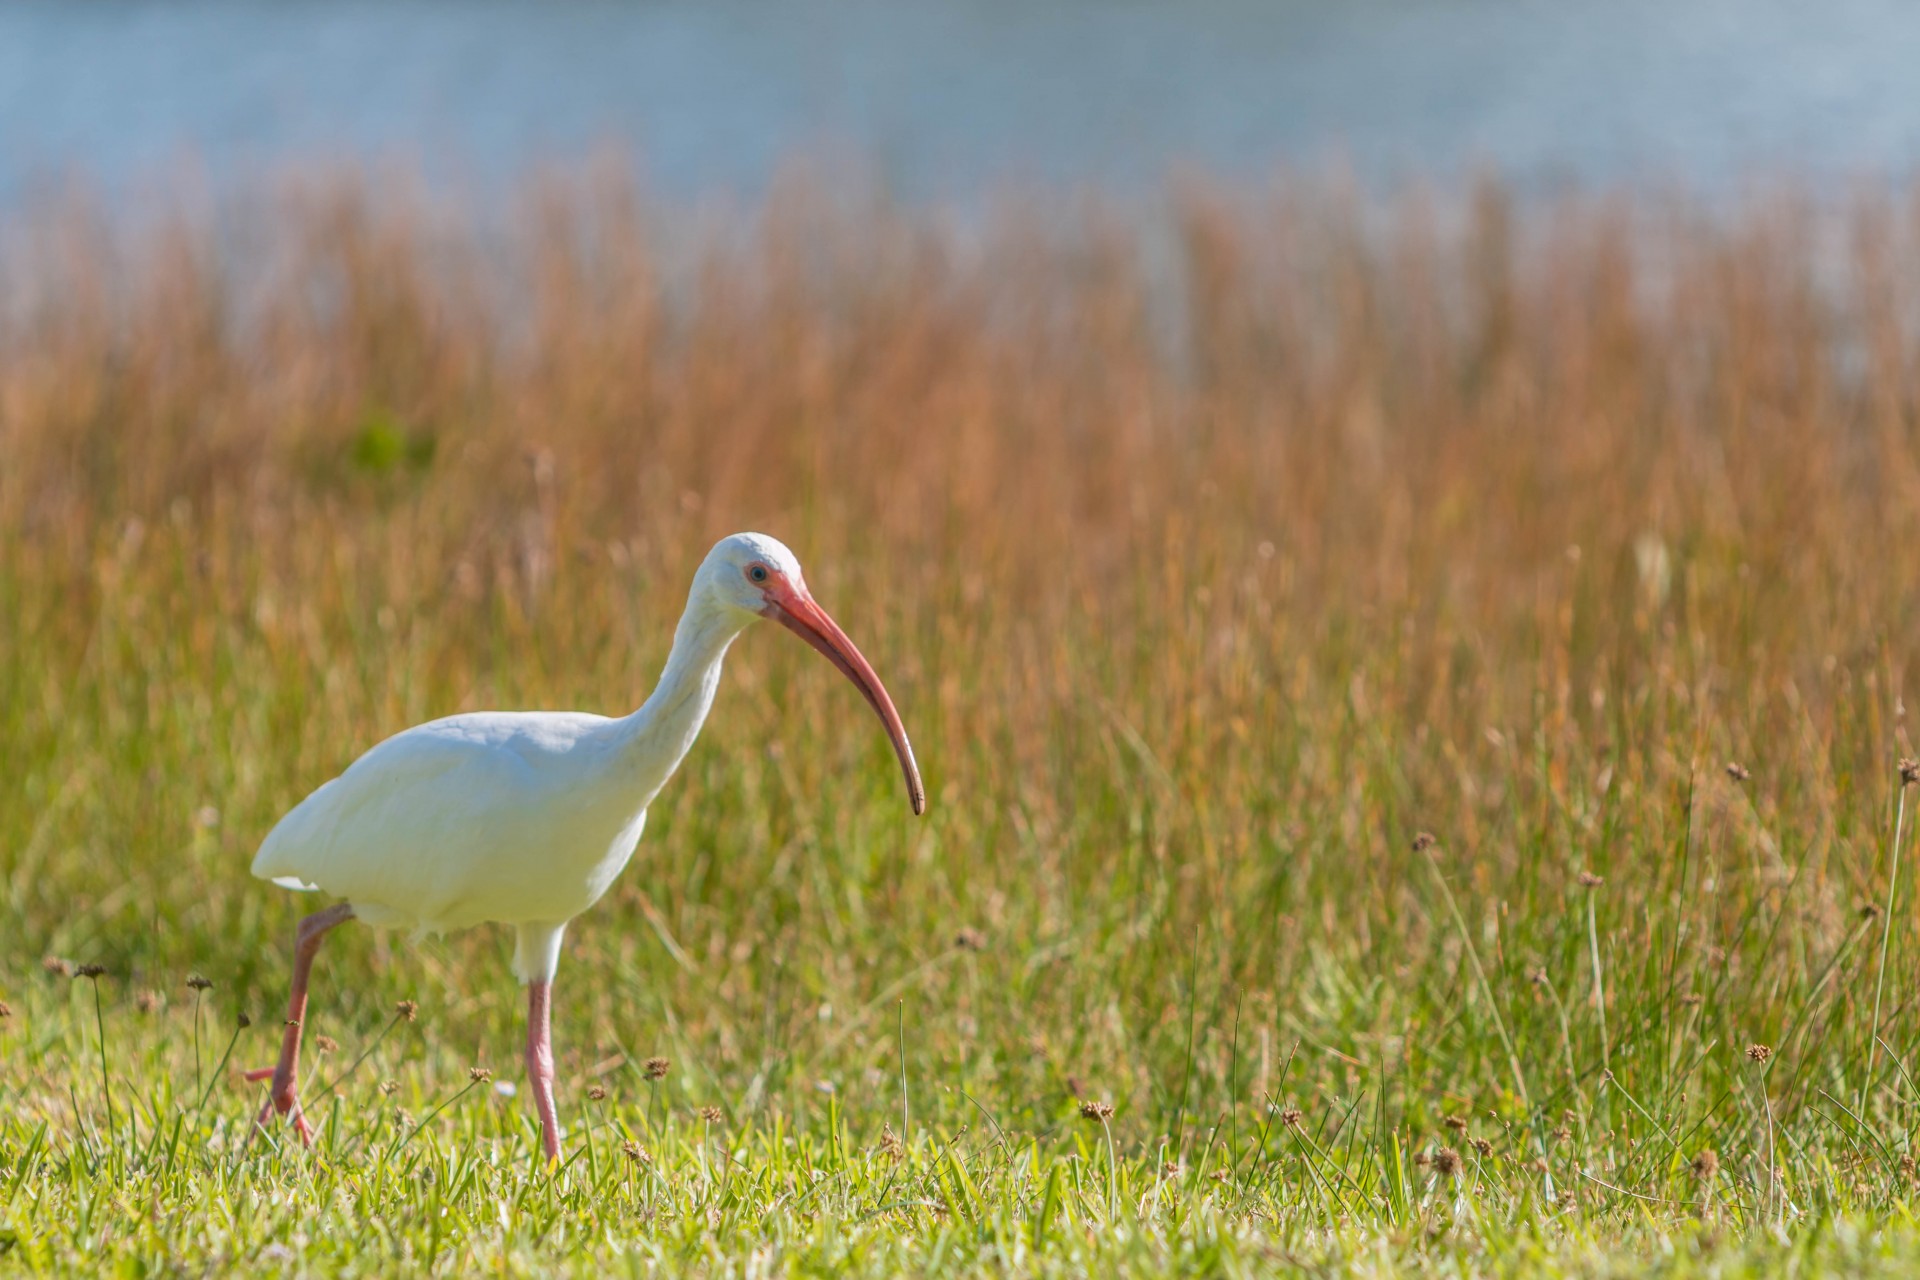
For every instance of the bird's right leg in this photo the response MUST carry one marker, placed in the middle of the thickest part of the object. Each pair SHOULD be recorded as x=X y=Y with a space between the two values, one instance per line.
x=535 y=959
x=540 y=1065
x=284 y=1095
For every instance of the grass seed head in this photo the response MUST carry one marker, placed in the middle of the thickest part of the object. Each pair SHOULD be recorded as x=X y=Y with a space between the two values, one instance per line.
x=890 y=1145
x=712 y=1115
x=598 y=1093
x=635 y=1152
x=1588 y=880
x=326 y=1044
x=1759 y=1053
x=1869 y=911
x=199 y=983
x=6 y=1011
x=1425 y=841
x=242 y=1021
x=1737 y=771
x=407 y=1010
x=1482 y=1147
x=1290 y=1117
x=970 y=940
x=656 y=1068
x=1447 y=1162
x=479 y=1075
x=1100 y=1111
x=389 y=1087
x=1706 y=1164
x=92 y=972
x=1456 y=1123
x=1909 y=771
x=57 y=966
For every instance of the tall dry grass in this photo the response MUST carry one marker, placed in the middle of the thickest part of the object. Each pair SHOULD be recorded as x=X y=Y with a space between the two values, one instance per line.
x=1203 y=590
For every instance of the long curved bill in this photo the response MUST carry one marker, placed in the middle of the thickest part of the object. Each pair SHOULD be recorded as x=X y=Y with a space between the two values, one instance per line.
x=797 y=612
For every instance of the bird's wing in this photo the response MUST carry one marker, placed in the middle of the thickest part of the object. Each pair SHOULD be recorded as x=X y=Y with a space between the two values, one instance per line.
x=401 y=818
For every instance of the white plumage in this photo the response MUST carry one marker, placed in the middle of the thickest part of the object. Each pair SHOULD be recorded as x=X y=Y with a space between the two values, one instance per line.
x=525 y=818
x=515 y=817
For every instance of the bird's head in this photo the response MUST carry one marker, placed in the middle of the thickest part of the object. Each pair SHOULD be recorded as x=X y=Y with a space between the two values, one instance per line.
x=754 y=574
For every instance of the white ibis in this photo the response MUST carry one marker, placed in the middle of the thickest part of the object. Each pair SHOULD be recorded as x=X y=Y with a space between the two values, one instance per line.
x=525 y=818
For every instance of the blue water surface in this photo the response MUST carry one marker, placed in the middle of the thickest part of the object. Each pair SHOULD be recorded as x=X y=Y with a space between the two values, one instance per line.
x=948 y=100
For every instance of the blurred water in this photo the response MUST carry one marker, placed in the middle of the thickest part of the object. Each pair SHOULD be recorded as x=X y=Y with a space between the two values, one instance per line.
x=952 y=99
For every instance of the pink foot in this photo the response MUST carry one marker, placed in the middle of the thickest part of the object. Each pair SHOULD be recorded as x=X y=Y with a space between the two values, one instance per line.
x=300 y=1125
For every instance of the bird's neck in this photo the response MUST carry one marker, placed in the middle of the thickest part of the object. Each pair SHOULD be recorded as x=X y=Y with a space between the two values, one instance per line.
x=655 y=738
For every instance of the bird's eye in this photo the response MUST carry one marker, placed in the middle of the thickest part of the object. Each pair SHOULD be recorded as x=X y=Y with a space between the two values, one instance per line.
x=757 y=573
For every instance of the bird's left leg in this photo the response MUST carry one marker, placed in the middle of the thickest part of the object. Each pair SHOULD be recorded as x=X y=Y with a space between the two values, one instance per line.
x=283 y=1095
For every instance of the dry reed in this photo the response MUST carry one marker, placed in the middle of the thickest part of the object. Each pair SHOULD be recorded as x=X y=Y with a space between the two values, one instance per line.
x=1202 y=593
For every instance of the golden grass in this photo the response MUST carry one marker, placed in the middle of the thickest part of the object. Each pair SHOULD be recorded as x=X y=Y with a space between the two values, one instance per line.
x=1202 y=590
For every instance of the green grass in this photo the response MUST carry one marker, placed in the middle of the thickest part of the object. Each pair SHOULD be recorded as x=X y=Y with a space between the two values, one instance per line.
x=1470 y=535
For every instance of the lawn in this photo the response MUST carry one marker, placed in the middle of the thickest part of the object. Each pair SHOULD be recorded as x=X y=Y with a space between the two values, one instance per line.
x=1411 y=691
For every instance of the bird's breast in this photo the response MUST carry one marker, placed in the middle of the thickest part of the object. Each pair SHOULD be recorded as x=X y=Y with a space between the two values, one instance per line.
x=544 y=876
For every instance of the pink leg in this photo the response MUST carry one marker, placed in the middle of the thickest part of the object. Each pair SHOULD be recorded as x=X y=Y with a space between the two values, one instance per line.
x=283 y=1096
x=540 y=1064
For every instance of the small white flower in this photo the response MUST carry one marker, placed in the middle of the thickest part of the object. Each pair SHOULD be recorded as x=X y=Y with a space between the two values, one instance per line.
x=1655 y=565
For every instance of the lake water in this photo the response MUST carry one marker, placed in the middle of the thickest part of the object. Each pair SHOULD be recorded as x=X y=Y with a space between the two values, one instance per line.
x=949 y=100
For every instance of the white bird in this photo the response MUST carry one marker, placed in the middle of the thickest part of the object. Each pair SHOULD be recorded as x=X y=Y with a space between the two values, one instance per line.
x=525 y=818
